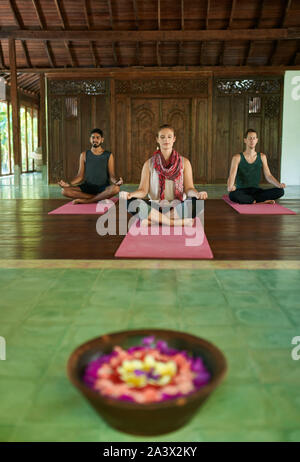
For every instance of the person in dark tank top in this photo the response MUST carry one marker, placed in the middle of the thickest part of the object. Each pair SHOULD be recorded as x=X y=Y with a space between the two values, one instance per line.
x=96 y=172
x=245 y=171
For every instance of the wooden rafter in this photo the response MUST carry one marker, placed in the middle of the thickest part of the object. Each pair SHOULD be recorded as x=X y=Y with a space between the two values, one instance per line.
x=233 y=3
x=260 y=15
x=180 y=54
x=2 y=62
x=249 y=53
x=201 y=53
x=20 y=24
x=138 y=53
x=294 y=57
x=158 y=56
x=282 y=22
x=292 y=33
x=42 y=24
x=158 y=14
x=88 y=23
x=286 y=12
x=182 y=14
x=64 y=27
x=136 y=16
x=207 y=14
x=115 y=53
x=110 y=14
x=49 y=53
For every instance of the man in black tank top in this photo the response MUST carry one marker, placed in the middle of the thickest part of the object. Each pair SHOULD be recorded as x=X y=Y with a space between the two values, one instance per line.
x=246 y=171
x=96 y=171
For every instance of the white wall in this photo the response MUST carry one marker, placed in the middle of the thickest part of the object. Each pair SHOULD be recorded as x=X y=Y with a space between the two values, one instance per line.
x=290 y=159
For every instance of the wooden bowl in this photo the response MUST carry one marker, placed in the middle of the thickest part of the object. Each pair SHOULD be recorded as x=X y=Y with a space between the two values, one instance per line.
x=153 y=418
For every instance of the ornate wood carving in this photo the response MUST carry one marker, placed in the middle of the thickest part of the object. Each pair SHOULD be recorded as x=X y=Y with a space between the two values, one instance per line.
x=243 y=86
x=272 y=106
x=78 y=87
x=162 y=86
x=56 y=109
x=58 y=170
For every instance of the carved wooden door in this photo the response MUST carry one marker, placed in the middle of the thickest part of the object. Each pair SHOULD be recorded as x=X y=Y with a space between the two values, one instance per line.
x=147 y=114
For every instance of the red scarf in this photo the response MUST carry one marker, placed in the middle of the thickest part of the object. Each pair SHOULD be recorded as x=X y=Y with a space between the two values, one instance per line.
x=171 y=171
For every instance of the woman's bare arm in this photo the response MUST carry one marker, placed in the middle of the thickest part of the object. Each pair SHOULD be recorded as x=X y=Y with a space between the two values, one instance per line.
x=188 y=182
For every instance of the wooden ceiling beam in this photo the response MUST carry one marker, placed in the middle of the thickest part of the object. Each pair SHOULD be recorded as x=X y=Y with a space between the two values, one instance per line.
x=260 y=15
x=158 y=15
x=249 y=53
x=49 y=53
x=136 y=16
x=291 y=33
x=110 y=14
x=20 y=24
x=65 y=28
x=233 y=3
x=207 y=14
x=2 y=62
x=42 y=23
x=115 y=56
x=286 y=12
x=38 y=11
x=138 y=53
x=88 y=23
x=158 y=57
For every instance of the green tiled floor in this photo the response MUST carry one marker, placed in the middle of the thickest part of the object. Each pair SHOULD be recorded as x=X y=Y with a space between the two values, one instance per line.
x=252 y=315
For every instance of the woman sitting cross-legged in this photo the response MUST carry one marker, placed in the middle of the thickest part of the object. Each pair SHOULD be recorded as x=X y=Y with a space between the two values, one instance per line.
x=165 y=177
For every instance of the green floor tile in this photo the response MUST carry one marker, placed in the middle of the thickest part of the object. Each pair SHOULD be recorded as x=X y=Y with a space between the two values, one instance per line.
x=39 y=335
x=241 y=367
x=239 y=280
x=49 y=433
x=59 y=403
x=242 y=435
x=268 y=337
x=261 y=299
x=276 y=366
x=285 y=280
x=15 y=398
x=201 y=316
x=293 y=436
x=24 y=362
x=6 y=432
x=202 y=298
x=283 y=405
x=230 y=404
x=262 y=317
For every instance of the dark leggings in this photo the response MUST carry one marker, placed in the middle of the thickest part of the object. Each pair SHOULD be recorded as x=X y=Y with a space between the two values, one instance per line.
x=190 y=202
x=249 y=195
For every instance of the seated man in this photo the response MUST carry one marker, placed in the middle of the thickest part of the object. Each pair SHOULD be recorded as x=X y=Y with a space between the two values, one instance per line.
x=165 y=177
x=246 y=170
x=96 y=168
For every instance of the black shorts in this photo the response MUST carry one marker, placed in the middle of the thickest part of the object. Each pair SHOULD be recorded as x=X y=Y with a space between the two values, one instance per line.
x=92 y=188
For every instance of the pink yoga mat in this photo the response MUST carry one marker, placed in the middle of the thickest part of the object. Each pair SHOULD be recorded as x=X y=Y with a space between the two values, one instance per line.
x=97 y=208
x=157 y=245
x=258 y=209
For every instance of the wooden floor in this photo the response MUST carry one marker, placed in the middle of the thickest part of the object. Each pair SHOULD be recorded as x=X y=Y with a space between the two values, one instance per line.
x=28 y=232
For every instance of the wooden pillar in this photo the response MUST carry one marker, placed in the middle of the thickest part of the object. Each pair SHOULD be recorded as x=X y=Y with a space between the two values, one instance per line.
x=42 y=128
x=15 y=112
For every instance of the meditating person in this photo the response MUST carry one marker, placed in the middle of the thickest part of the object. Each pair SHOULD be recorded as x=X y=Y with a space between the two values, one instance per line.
x=165 y=177
x=96 y=171
x=246 y=171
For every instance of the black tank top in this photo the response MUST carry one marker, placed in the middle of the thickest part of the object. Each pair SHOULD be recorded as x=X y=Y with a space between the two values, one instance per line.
x=96 y=168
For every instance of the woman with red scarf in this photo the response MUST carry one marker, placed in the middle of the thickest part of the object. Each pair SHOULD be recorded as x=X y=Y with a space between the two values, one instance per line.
x=166 y=177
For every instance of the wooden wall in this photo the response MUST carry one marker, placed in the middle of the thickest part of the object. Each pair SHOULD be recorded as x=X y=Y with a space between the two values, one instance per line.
x=209 y=113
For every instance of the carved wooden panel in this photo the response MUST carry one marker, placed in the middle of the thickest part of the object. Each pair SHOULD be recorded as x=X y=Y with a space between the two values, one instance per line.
x=162 y=86
x=69 y=134
x=144 y=124
x=232 y=117
x=78 y=87
x=177 y=112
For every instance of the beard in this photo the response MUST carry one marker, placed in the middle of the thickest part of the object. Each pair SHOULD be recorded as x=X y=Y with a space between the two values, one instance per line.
x=96 y=145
